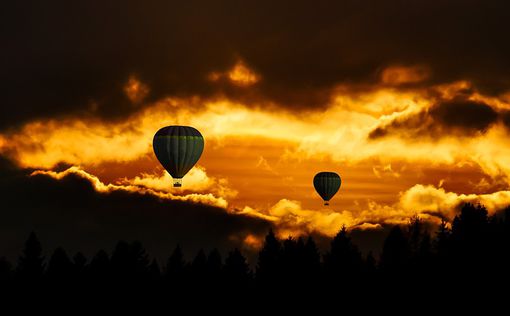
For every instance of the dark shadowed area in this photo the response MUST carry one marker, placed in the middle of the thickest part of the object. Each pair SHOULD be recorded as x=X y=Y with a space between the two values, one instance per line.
x=69 y=213
x=64 y=58
x=445 y=118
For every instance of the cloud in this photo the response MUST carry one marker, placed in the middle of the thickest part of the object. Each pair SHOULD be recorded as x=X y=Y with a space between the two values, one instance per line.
x=140 y=185
x=430 y=203
x=399 y=75
x=302 y=54
x=197 y=180
x=445 y=118
x=135 y=90
x=239 y=75
x=74 y=210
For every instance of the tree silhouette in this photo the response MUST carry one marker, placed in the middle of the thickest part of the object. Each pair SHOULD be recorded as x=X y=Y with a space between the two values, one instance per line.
x=475 y=250
x=129 y=262
x=79 y=264
x=99 y=268
x=199 y=267
x=236 y=270
x=470 y=224
x=60 y=267
x=174 y=271
x=370 y=266
x=416 y=233
x=154 y=273
x=214 y=267
x=395 y=254
x=268 y=266
x=442 y=241
x=344 y=260
x=31 y=262
x=5 y=270
x=312 y=257
x=470 y=251
x=140 y=259
x=290 y=261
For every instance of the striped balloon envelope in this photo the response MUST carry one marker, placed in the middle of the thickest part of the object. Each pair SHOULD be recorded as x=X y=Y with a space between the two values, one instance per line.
x=178 y=148
x=327 y=185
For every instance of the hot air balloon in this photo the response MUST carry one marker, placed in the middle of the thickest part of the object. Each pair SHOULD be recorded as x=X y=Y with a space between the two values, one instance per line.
x=178 y=149
x=327 y=185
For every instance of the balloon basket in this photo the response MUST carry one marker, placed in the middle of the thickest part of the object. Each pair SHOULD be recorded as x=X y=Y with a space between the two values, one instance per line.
x=326 y=203
x=177 y=183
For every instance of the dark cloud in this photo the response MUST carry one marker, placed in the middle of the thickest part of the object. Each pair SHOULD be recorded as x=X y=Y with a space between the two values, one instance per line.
x=455 y=117
x=472 y=116
x=70 y=213
x=73 y=57
x=505 y=117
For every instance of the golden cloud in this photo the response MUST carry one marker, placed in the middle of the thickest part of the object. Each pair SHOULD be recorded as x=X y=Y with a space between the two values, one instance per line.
x=135 y=90
x=99 y=186
x=196 y=180
x=273 y=154
x=430 y=203
x=240 y=74
x=397 y=75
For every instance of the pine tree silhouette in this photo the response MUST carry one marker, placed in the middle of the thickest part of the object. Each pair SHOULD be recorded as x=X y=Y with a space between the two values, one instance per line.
x=79 y=265
x=344 y=260
x=395 y=254
x=5 y=271
x=416 y=232
x=60 y=267
x=470 y=224
x=475 y=250
x=236 y=270
x=312 y=255
x=140 y=260
x=129 y=262
x=175 y=266
x=269 y=261
x=99 y=271
x=199 y=267
x=213 y=267
x=442 y=241
x=154 y=273
x=470 y=251
x=31 y=262
x=290 y=261
x=370 y=266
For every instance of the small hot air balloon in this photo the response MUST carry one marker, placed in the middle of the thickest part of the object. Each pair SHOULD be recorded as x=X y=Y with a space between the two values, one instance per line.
x=327 y=185
x=178 y=149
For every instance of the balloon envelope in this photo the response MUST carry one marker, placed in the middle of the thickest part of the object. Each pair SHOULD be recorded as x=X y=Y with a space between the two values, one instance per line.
x=178 y=149
x=327 y=185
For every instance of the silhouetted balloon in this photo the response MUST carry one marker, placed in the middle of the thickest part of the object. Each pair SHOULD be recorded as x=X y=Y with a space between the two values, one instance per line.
x=178 y=149
x=327 y=185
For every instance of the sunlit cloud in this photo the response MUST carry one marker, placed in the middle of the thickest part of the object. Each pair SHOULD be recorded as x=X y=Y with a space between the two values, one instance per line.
x=397 y=75
x=99 y=186
x=196 y=180
x=430 y=203
x=240 y=75
x=270 y=156
x=136 y=90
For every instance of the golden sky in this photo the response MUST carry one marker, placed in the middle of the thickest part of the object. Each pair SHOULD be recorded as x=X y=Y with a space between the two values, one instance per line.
x=260 y=160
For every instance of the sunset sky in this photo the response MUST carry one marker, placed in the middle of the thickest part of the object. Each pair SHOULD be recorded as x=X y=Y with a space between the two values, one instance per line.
x=408 y=101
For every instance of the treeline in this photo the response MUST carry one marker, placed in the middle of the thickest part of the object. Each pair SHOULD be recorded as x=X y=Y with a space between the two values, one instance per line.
x=475 y=247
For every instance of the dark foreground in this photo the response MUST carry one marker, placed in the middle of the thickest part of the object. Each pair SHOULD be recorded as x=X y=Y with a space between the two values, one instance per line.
x=471 y=258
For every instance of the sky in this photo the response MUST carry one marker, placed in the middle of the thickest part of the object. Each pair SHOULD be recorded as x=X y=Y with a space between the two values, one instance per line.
x=408 y=101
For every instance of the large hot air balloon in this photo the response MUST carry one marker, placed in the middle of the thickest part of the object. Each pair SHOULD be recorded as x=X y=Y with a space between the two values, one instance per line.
x=327 y=185
x=178 y=149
